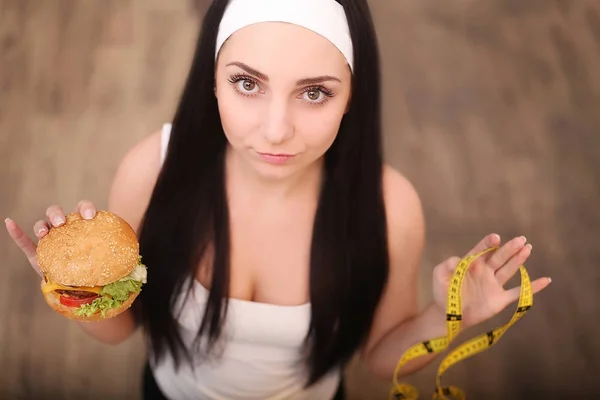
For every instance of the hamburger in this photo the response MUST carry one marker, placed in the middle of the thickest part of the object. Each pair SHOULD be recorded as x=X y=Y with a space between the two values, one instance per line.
x=92 y=268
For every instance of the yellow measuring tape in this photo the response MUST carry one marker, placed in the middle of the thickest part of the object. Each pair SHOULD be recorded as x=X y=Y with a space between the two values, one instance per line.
x=470 y=348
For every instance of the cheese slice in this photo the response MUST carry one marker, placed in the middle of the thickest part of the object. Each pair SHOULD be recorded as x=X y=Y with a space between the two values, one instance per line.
x=50 y=287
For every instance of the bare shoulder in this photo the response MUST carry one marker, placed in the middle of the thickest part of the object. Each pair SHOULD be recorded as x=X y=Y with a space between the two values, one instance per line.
x=405 y=227
x=402 y=204
x=135 y=178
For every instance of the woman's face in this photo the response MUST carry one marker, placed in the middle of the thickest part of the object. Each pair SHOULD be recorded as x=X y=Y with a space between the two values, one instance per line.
x=282 y=91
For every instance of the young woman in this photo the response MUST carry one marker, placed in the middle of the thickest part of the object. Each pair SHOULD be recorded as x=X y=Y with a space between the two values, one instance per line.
x=278 y=243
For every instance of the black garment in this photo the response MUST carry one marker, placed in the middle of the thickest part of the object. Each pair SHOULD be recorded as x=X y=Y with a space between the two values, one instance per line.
x=151 y=391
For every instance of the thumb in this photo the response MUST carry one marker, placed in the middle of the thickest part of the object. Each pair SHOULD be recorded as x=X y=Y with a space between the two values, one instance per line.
x=24 y=242
x=452 y=263
x=443 y=271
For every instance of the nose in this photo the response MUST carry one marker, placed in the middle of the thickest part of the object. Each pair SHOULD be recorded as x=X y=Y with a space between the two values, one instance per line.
x=278 y=127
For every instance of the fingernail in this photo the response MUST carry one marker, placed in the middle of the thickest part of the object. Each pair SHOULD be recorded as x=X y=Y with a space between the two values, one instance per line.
x=88 y=214
x=523 y=239
x=549 y=280
x=6 y=220
x=496 y=236
x=41 y=231
x=58 y=220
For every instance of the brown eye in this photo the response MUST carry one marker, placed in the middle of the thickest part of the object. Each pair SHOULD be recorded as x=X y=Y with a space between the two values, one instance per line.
x=313 y=95
x=248 y=85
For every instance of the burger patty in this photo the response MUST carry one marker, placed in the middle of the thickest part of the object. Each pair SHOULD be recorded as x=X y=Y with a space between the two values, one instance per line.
x=77 y=294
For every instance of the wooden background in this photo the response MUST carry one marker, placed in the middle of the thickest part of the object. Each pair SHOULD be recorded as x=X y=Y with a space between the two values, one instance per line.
x=490 y=109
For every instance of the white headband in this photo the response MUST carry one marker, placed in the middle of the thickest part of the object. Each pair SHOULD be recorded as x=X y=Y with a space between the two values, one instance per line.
x=325 y=17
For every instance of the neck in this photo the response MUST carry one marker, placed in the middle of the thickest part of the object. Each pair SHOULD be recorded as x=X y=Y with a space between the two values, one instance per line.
x=243 y=179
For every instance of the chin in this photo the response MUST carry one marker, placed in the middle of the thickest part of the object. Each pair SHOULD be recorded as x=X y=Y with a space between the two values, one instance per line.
x=275 y=172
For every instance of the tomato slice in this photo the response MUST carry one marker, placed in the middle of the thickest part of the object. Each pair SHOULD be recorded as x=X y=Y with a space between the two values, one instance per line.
x=74 y=302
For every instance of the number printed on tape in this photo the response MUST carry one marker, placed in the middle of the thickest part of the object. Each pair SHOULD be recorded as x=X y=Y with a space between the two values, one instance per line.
x=402 y=391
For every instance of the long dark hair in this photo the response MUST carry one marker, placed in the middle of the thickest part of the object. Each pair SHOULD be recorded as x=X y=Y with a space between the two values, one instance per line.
x=188 y=214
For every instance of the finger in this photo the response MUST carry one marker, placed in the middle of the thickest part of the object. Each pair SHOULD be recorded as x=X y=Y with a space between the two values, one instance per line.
x=507 y=271
x=86 y=209
x=55 y=215
x=445 y=269
x=452 y=263
x=537 y=286
x=24 y=242
x=506 y=252
x=491 y=240
x=41 y=228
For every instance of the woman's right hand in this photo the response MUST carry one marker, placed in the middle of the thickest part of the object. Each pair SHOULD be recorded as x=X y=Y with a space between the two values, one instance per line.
x=55 y=216
x=112 y=331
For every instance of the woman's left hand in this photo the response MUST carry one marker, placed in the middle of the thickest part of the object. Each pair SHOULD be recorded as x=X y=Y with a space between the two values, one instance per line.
x=483 y=293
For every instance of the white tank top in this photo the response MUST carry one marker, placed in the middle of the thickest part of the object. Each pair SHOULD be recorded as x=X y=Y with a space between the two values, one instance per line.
x=261 y=359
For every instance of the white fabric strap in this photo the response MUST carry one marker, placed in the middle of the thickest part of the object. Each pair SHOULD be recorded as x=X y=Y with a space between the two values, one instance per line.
x=325 y=17
x=165 y=135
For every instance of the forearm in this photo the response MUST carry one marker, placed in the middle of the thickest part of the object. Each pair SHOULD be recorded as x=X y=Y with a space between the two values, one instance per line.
x=111 y=331
x=383 y=358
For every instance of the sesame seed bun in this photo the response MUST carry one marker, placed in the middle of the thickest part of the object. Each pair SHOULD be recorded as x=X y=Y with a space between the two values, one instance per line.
x=53 y=300
x=92 y=252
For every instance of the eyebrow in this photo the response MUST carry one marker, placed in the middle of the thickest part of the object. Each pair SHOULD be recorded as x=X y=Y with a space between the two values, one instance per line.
x=301 y=82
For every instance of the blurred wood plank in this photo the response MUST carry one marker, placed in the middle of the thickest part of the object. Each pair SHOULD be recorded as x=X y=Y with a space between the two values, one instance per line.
x=490 y=109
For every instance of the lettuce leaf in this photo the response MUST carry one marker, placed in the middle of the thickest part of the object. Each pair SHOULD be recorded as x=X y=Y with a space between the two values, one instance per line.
x=114 y=294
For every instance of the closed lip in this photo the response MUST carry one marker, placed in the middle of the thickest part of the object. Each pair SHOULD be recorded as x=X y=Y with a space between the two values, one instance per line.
x=276 y=154
x=276 y=158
